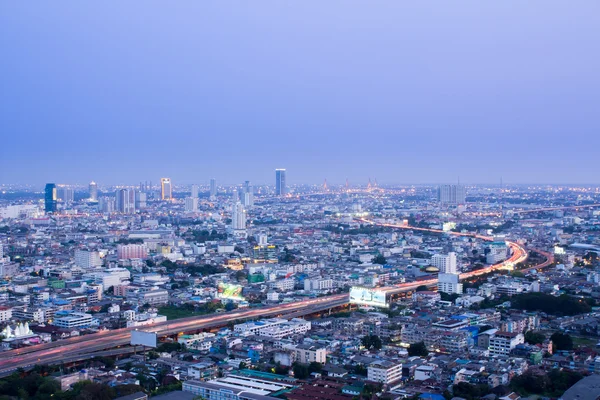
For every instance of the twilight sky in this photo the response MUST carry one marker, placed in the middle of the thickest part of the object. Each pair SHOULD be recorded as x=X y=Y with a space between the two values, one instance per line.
x=401 y=91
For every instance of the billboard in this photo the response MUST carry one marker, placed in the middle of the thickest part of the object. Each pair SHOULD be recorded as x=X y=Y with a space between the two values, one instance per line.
x=229 y=291
x=141 y=338
x=368 y=297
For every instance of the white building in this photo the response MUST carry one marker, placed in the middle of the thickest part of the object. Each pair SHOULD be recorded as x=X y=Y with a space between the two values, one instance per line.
x=191 y=204
x=498 y=253
x=449 y=283
x=318 y=284
x=446 y=263
x=87 y=259
x=503 y=342
x=73 y=320
x=306 y=353
x=238 y=216
x=452 y=194
x=384 y=371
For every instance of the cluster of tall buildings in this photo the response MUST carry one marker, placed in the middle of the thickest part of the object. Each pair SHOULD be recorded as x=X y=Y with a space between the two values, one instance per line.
x=128 y=200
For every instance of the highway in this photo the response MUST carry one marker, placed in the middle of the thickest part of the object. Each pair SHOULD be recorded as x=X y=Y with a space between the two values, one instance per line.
x=56 y=352
x=84 y=346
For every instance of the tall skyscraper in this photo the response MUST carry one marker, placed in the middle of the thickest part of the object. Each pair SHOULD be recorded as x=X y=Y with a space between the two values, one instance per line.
x=213 y=188
x=93 y=191
x=166 y=189
x=50 y=198
x=238 y=216
x=452 y=194
x=191 y=204
x=65 y=194
x=247 y=195
x=194 y=191
x=280 y=187
x=125 y=201
x=140 y=199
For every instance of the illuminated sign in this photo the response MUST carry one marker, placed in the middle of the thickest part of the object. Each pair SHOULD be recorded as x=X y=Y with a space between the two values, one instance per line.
x=369 y=297
x=229 y=291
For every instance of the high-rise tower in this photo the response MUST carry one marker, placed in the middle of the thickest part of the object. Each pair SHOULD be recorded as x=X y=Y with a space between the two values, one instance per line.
x=213 y=188
x=93 y=191
x=50 y=198
x=166 y=189
x=280 y=187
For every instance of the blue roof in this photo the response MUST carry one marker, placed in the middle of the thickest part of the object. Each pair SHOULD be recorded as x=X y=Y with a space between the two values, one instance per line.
x=432 y=396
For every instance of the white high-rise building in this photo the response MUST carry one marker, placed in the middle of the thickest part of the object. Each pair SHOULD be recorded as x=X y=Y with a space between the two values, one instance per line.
x=93 y=191
x=238 y=216
x=194 y=191
x=445 y=262
x=125 y=201
x=280 y=182
x=87 y=259
x=166 y=189
x=213 y=189
x=191 y=204
x=452 y=194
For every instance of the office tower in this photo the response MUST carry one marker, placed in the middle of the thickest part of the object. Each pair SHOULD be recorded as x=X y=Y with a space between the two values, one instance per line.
x=280 y=188
x=191 y=204
x=213 y=189
x=65 y=194
x=238 y=216
x=446 y=263
x=106 y=204
x=125 y=201
x=140 y=199
x=50 y=198
x=166 y=189
x=452 y=194
x=247 y=195
x=194 y=191
x=93 y=191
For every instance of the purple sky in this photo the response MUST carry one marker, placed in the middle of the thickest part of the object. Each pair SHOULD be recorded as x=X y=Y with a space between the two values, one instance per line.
x=405 y=92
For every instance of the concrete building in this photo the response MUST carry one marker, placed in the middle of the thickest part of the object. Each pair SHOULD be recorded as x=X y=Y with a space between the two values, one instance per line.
x=73 y=320
x=87 y=259
x=452 y=194
x=446 y=263
x=503 y=342
x=384 y=371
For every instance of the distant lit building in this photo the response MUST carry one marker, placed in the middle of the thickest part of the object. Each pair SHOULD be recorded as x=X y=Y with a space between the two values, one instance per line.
x=194 y=191
x=166 y=189
x=126 y=251
x=125 y=201
x=65 y=194
x=213 y=188
x=280 y=186
x=93 y=191
x=191 y=204
x=238 y=217
x=140 y=199
x=452 y=194
x=247 y=194
x=50 y=198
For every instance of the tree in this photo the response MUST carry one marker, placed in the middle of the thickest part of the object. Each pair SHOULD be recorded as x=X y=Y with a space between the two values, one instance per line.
x=418 y=349
x=242 y=365
x=379 y=259
x=300 y=371
x=371 y=342
x=422 y=288
x=561 y=341
x=534 y=337
x=315 y=367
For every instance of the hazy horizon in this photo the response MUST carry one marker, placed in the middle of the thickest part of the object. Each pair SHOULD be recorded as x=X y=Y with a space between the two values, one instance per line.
x=401 y=92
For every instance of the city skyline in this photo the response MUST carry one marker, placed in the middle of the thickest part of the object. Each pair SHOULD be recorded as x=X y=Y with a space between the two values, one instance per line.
x=419 y=96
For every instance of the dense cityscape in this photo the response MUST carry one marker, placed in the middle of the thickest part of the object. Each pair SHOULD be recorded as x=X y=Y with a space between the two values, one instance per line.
x=328 y=291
